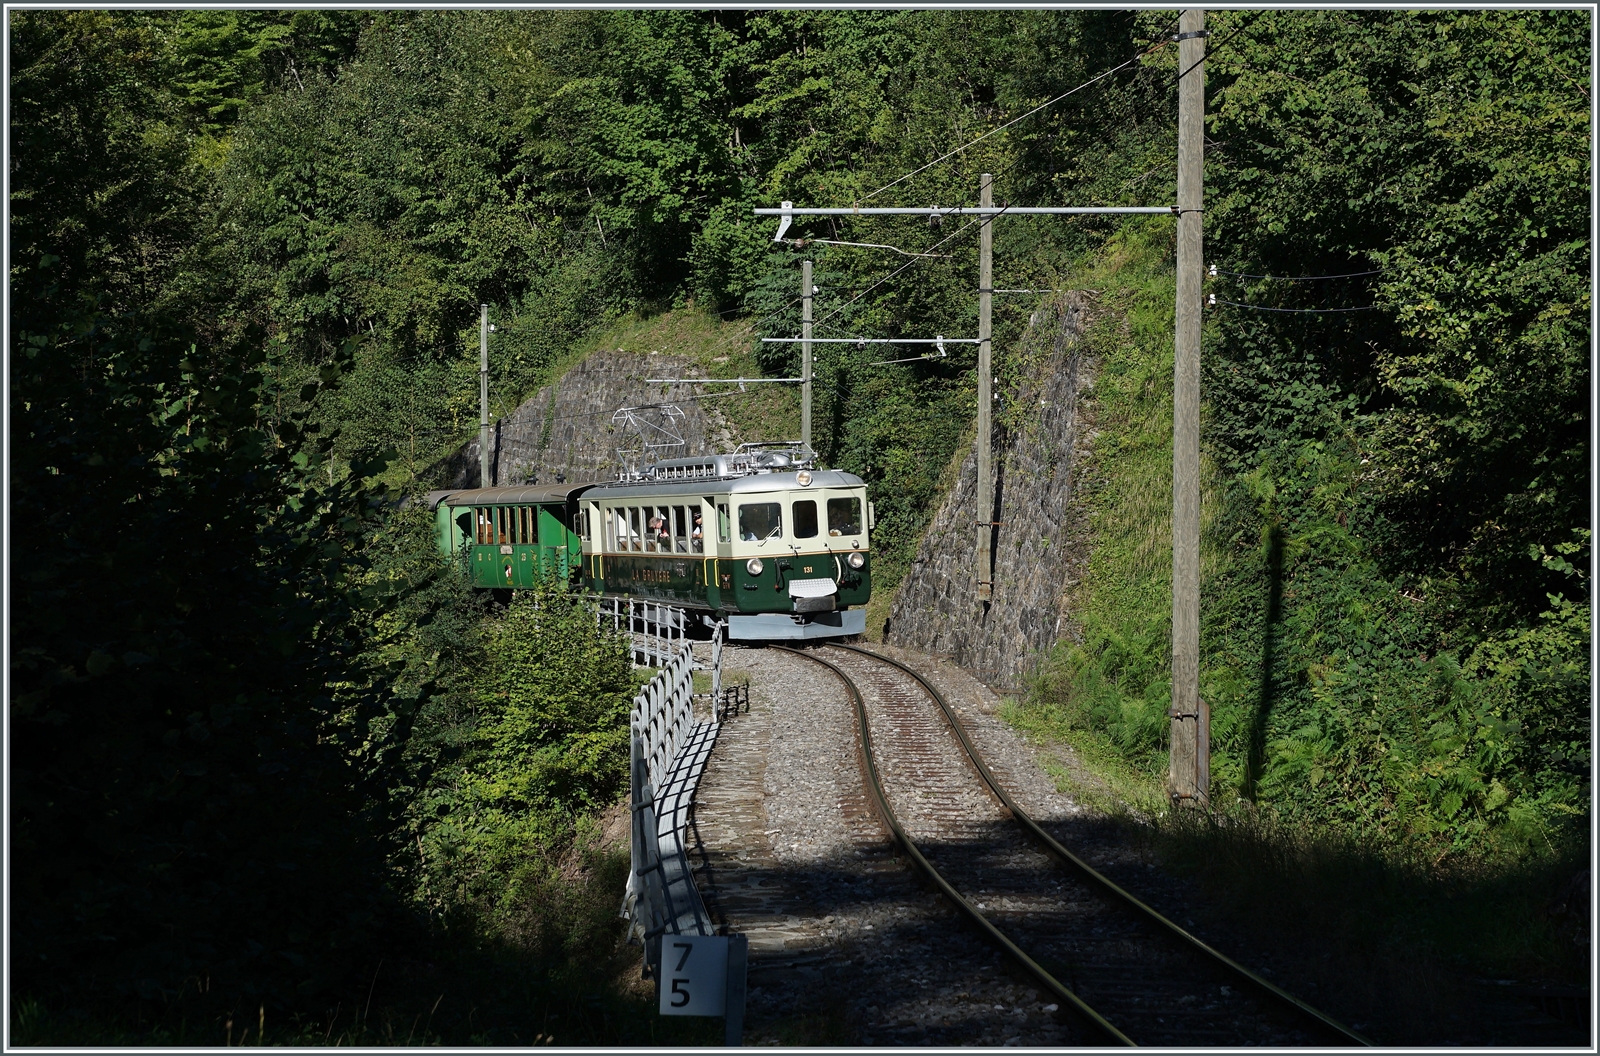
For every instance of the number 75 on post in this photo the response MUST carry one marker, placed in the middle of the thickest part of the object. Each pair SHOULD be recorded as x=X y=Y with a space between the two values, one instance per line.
x=694 y=975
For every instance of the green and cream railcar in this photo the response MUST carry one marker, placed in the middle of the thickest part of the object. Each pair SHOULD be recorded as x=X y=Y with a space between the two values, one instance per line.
x=778 y=552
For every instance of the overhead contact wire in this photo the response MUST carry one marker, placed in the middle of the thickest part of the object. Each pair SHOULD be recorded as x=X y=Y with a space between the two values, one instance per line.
x=1001 y=128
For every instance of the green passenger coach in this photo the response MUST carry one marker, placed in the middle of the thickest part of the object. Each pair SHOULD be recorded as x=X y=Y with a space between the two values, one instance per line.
x=759 y=538
x=515 y=537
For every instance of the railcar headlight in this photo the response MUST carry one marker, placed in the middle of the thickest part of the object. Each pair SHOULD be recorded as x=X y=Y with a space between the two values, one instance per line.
x=754 y=566
x=804 y=477
x=856 y=559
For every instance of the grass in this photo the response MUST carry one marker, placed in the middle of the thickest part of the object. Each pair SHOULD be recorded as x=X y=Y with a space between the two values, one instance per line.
x=1087 y=765
x=730 y=677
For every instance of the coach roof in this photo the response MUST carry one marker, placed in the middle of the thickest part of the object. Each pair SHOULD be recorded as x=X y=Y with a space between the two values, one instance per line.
x=750 y=484
x=531 y=495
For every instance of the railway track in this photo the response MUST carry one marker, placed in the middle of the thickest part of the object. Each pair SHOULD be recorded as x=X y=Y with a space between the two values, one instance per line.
x=1129 y=975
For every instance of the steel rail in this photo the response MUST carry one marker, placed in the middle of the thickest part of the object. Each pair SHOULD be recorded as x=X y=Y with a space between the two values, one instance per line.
x=1033 y=827
x=875 y=786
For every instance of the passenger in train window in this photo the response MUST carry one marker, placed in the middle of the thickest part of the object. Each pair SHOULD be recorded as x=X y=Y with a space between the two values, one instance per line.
x=697 y=536
x=759 y=521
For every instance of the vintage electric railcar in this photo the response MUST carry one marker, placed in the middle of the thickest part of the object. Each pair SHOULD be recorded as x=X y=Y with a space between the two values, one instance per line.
x=759 y=538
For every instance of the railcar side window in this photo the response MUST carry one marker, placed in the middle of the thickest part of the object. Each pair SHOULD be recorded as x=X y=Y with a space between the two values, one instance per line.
x=616 y=529
x=805 y=519
x=760 y=520
x=680 y=530
x=635 y=529
x=724 y=532
x=697 y=532
x=844 y=516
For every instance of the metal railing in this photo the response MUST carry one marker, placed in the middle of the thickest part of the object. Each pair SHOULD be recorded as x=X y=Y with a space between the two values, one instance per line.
x=657 y=631
x=668 y=752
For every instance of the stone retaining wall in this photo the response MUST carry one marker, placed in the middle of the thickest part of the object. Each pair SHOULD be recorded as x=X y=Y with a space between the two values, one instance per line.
x=1041 y=545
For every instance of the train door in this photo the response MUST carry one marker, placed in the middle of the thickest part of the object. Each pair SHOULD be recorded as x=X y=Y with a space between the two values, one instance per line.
x=505 y=551
x=554 y=545
x=525 y=544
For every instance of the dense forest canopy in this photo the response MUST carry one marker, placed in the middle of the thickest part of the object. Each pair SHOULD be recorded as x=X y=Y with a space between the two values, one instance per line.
x=259 y=729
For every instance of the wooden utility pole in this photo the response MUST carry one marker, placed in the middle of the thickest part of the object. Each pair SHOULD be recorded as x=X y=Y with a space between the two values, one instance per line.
x=985 y=392
x=1189 y=774
x=805 y=352
x=483 y=396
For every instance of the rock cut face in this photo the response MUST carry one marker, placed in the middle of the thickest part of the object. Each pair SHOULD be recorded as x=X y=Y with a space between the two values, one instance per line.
x=566 y=428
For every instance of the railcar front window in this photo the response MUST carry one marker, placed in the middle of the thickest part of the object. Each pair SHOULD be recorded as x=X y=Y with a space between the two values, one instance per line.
x=760 y=520
x=844 y=516
x=805 y=519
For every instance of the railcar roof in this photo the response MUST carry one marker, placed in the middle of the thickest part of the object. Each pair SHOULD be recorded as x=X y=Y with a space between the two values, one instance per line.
x=529 y=495
x=754 y=483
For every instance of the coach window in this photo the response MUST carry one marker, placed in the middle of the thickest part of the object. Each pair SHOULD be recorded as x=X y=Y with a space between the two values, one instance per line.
x=759 y=521
x=805 y=519
x=844 y=516
x=680 y=530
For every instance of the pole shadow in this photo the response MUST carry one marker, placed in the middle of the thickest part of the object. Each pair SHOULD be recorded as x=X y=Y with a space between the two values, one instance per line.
x=1255 y=755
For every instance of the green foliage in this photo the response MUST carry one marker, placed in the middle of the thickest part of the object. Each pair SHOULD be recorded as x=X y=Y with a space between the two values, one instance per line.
x=189 y=693
x=1394 y=632
x=224 y=60
x=1464 y=178
x=537 y=742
